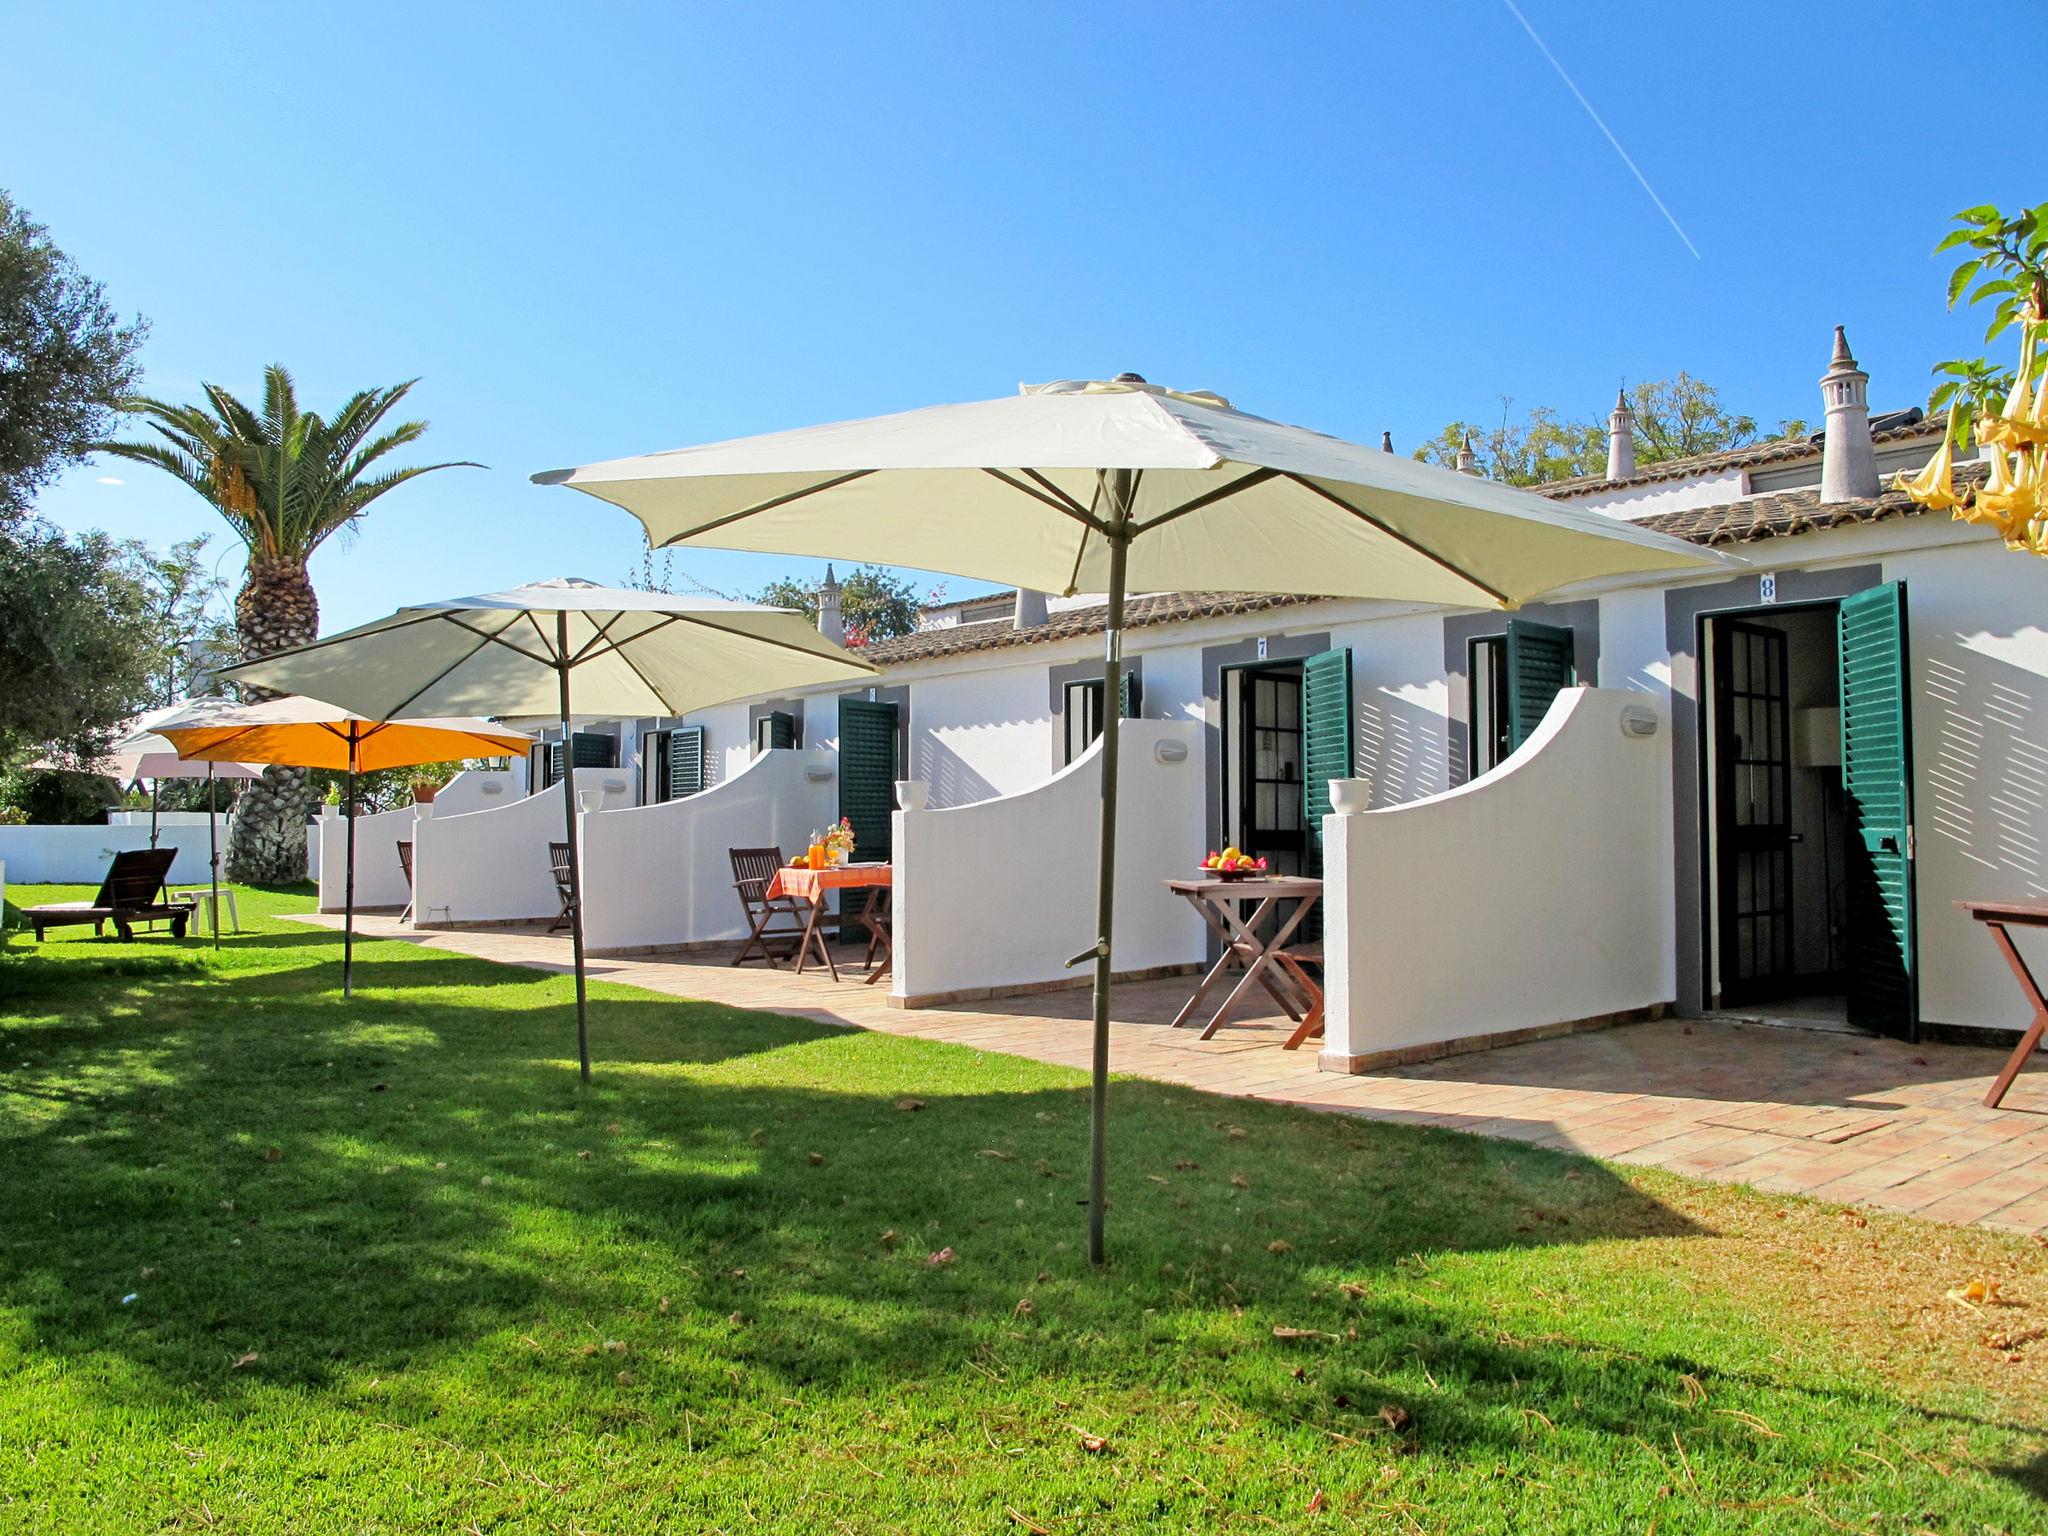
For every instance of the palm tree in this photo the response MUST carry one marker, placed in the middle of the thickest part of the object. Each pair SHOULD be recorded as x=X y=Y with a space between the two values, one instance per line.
x=285 y=480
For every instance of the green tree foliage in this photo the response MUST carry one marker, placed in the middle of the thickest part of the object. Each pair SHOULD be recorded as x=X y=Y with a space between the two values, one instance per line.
x=2005 y=264
x=45 y=798
x=65 y=360
x=875 y=603
x=1675 y=418
x=285 y=480
x=192 y=640
x=77 y=644
x=387 y=788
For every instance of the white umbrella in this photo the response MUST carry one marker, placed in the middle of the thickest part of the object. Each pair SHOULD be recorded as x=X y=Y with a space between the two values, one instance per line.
x=1104 y=486
x=305 y=733
x=513 y=653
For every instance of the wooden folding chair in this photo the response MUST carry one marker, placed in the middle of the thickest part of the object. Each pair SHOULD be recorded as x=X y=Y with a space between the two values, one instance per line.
x=774 y=926
x=558 y=860
x=405 y=863
x=1295 y=962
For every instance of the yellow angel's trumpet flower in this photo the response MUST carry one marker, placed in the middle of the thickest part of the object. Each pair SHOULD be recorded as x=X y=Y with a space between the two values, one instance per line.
x=1998 y=501
x=1934 y=487
x=2019 y=422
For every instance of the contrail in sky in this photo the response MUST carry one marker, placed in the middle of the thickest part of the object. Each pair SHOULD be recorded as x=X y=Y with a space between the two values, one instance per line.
x=1634 y=169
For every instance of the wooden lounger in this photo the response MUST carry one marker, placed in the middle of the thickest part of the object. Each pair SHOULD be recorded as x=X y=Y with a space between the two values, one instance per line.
x=131 y=893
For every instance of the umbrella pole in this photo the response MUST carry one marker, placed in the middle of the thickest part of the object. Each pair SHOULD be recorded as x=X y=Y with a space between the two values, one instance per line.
x=1105 y=877
x=213 y=855
x=348 y=896
x=575 y=854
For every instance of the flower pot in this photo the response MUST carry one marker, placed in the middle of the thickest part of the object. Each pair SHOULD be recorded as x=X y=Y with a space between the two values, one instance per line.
x=589 y=799
x=1348 y=797
x=913 y=794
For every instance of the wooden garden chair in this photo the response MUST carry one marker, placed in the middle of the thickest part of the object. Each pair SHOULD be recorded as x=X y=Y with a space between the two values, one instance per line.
x=1295 y=962
x=775 y=926
x=131 y=893
x=558 y=861
x=405 y=863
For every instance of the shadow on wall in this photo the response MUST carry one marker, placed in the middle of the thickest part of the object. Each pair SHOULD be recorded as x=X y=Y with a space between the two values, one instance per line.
x=954 y=782
x=1987 y=772
x=1403 y=740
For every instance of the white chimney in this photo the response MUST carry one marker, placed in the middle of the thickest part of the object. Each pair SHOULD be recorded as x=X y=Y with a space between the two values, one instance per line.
x=1030 y=609
x=831 y=623
x=1621 y=439
x=1468 y=461
x=1848 y=461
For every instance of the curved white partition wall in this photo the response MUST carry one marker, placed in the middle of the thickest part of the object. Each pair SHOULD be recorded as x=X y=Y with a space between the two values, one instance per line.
x=1532 y=899
x=660 y=876
x=491 y=866
x=997 y=895
x=380 y=878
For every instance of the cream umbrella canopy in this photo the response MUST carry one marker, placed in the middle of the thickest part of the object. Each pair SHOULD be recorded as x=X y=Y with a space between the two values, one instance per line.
x=515 y=653
x=305 y=733
x=1105 y=486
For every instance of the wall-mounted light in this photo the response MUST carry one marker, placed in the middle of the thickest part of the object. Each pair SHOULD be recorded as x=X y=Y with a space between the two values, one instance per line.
x=818 y=773
x=1169 y=750
x=1638 y=720
x=491 y=787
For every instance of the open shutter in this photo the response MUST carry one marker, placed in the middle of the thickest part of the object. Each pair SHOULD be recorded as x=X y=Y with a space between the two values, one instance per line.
x=554 y=763
x=1540 y=667
x=1326 y=734
x=593 y=749
x=685 y=761
x=781 y=729
x=1130 y=696
x=867 y=775
x=1877 y=786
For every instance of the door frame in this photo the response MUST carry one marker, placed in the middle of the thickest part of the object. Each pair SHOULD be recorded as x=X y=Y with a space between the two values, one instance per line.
x=1719 y=779
x=1233 y=676
x=1704 y=686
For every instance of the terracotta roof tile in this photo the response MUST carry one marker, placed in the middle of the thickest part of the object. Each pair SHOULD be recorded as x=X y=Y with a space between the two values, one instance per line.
x=1786 y=513
x=1783 y=450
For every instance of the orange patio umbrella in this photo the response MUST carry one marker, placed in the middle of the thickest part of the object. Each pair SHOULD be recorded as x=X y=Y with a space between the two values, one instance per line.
x=304 y=733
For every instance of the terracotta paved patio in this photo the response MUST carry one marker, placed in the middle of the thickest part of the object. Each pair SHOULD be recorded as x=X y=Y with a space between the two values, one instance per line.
x=1840 y=1117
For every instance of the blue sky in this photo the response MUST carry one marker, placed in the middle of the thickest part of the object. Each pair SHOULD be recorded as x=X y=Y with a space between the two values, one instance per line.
x=600 y=230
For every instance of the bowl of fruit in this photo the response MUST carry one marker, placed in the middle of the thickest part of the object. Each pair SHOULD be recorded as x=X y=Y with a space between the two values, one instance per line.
x=1233 y=864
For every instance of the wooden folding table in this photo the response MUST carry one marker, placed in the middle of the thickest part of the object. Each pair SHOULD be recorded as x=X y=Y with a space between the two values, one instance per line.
x=814 y=885
x=1998 y=916
x=1218 y=902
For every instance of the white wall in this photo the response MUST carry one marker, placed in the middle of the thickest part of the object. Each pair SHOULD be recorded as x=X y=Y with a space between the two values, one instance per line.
x=380 y=879
x=1000 y=894
x=1529 y=896
x=1400 y=704
x=976 y=735
x=492 y=865
x=660 y=874
x=38 y=855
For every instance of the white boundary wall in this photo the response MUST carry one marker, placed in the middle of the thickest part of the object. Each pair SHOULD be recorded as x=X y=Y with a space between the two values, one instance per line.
x=1001 y=894
x=380 y=878
x=1532 y=896
x=492 y=866
x=660 y=875
x=39 y=855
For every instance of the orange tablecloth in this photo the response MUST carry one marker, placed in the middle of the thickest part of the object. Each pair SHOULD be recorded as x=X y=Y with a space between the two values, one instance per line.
x=808 y=884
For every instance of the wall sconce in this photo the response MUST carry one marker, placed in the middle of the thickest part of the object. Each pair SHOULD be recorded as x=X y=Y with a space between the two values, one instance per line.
x=818 y=773
x=491 y=787
x=1638 y=720
x=1170 y=750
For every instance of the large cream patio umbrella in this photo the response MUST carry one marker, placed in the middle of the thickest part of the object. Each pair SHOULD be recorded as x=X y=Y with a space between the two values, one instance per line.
x=305 y=733
x=514 y=653
x=1110 y=486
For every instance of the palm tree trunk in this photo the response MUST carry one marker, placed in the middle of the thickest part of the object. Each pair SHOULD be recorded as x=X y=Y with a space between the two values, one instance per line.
x=275 y=610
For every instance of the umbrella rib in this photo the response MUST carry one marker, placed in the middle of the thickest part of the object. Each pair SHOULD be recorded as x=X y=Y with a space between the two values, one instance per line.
x=618 y=647
x=597 y=637
x=766 y=506
x=484 y=638
x=1401 y=538
x=1208 y=498
x=1059 y=501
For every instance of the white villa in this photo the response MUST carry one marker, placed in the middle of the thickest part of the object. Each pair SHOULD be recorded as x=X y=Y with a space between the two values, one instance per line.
x=1761 y=789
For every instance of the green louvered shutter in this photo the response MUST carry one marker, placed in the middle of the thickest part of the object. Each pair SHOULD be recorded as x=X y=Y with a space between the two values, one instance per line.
x=1877 y=785
x=1326 y=734
x=550 y=764
x=867 y=775
x=593 y=749
x=781 y=729
x=1130 y=696
x=685 y=761
x=1540 y=667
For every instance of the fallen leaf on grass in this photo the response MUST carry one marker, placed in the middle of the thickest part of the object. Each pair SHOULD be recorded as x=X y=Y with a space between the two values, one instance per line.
x=1094 y=1445
x=249 y=1359
x=1282 y=1331
x=625 y=1378
x=1239 y=1181
x=938 y=1260
x=662 y=1306
x=888 y=1238
x=273 y=1154
x=614 y=1128
x=1026 y=1521
x=814 y=1158
x=1279 y=1245
x=1976 y=1293
x=1394 y=1416
x=379 y=1087
x=1352 y=1289
x=1315 y=1503
x=1185 y=1164
x=1157 y=1178
x=1025 y=1307
x=617 y=1346
x=910 y=1106
x=737 y=1319
x=998 y=1155
x=583 y=1157
x=1234 y=1132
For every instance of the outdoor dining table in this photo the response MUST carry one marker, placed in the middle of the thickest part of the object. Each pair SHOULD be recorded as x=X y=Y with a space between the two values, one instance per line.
x=1998 y=916
x=798 y=883
x=1218 y=901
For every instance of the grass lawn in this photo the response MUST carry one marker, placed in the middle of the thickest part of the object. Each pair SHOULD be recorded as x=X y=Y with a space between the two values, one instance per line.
x=270 y=1261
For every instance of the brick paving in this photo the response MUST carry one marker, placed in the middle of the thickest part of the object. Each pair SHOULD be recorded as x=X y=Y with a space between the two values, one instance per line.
x=1842 y=1117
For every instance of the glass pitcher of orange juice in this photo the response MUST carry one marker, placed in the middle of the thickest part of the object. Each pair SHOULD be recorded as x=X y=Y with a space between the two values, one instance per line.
x=815 y=856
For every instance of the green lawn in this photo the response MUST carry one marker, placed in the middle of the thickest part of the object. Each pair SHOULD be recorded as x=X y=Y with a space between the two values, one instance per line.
x=270 y=1261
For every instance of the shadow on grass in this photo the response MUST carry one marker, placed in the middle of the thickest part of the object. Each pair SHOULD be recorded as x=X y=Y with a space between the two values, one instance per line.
x=416 y=1183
